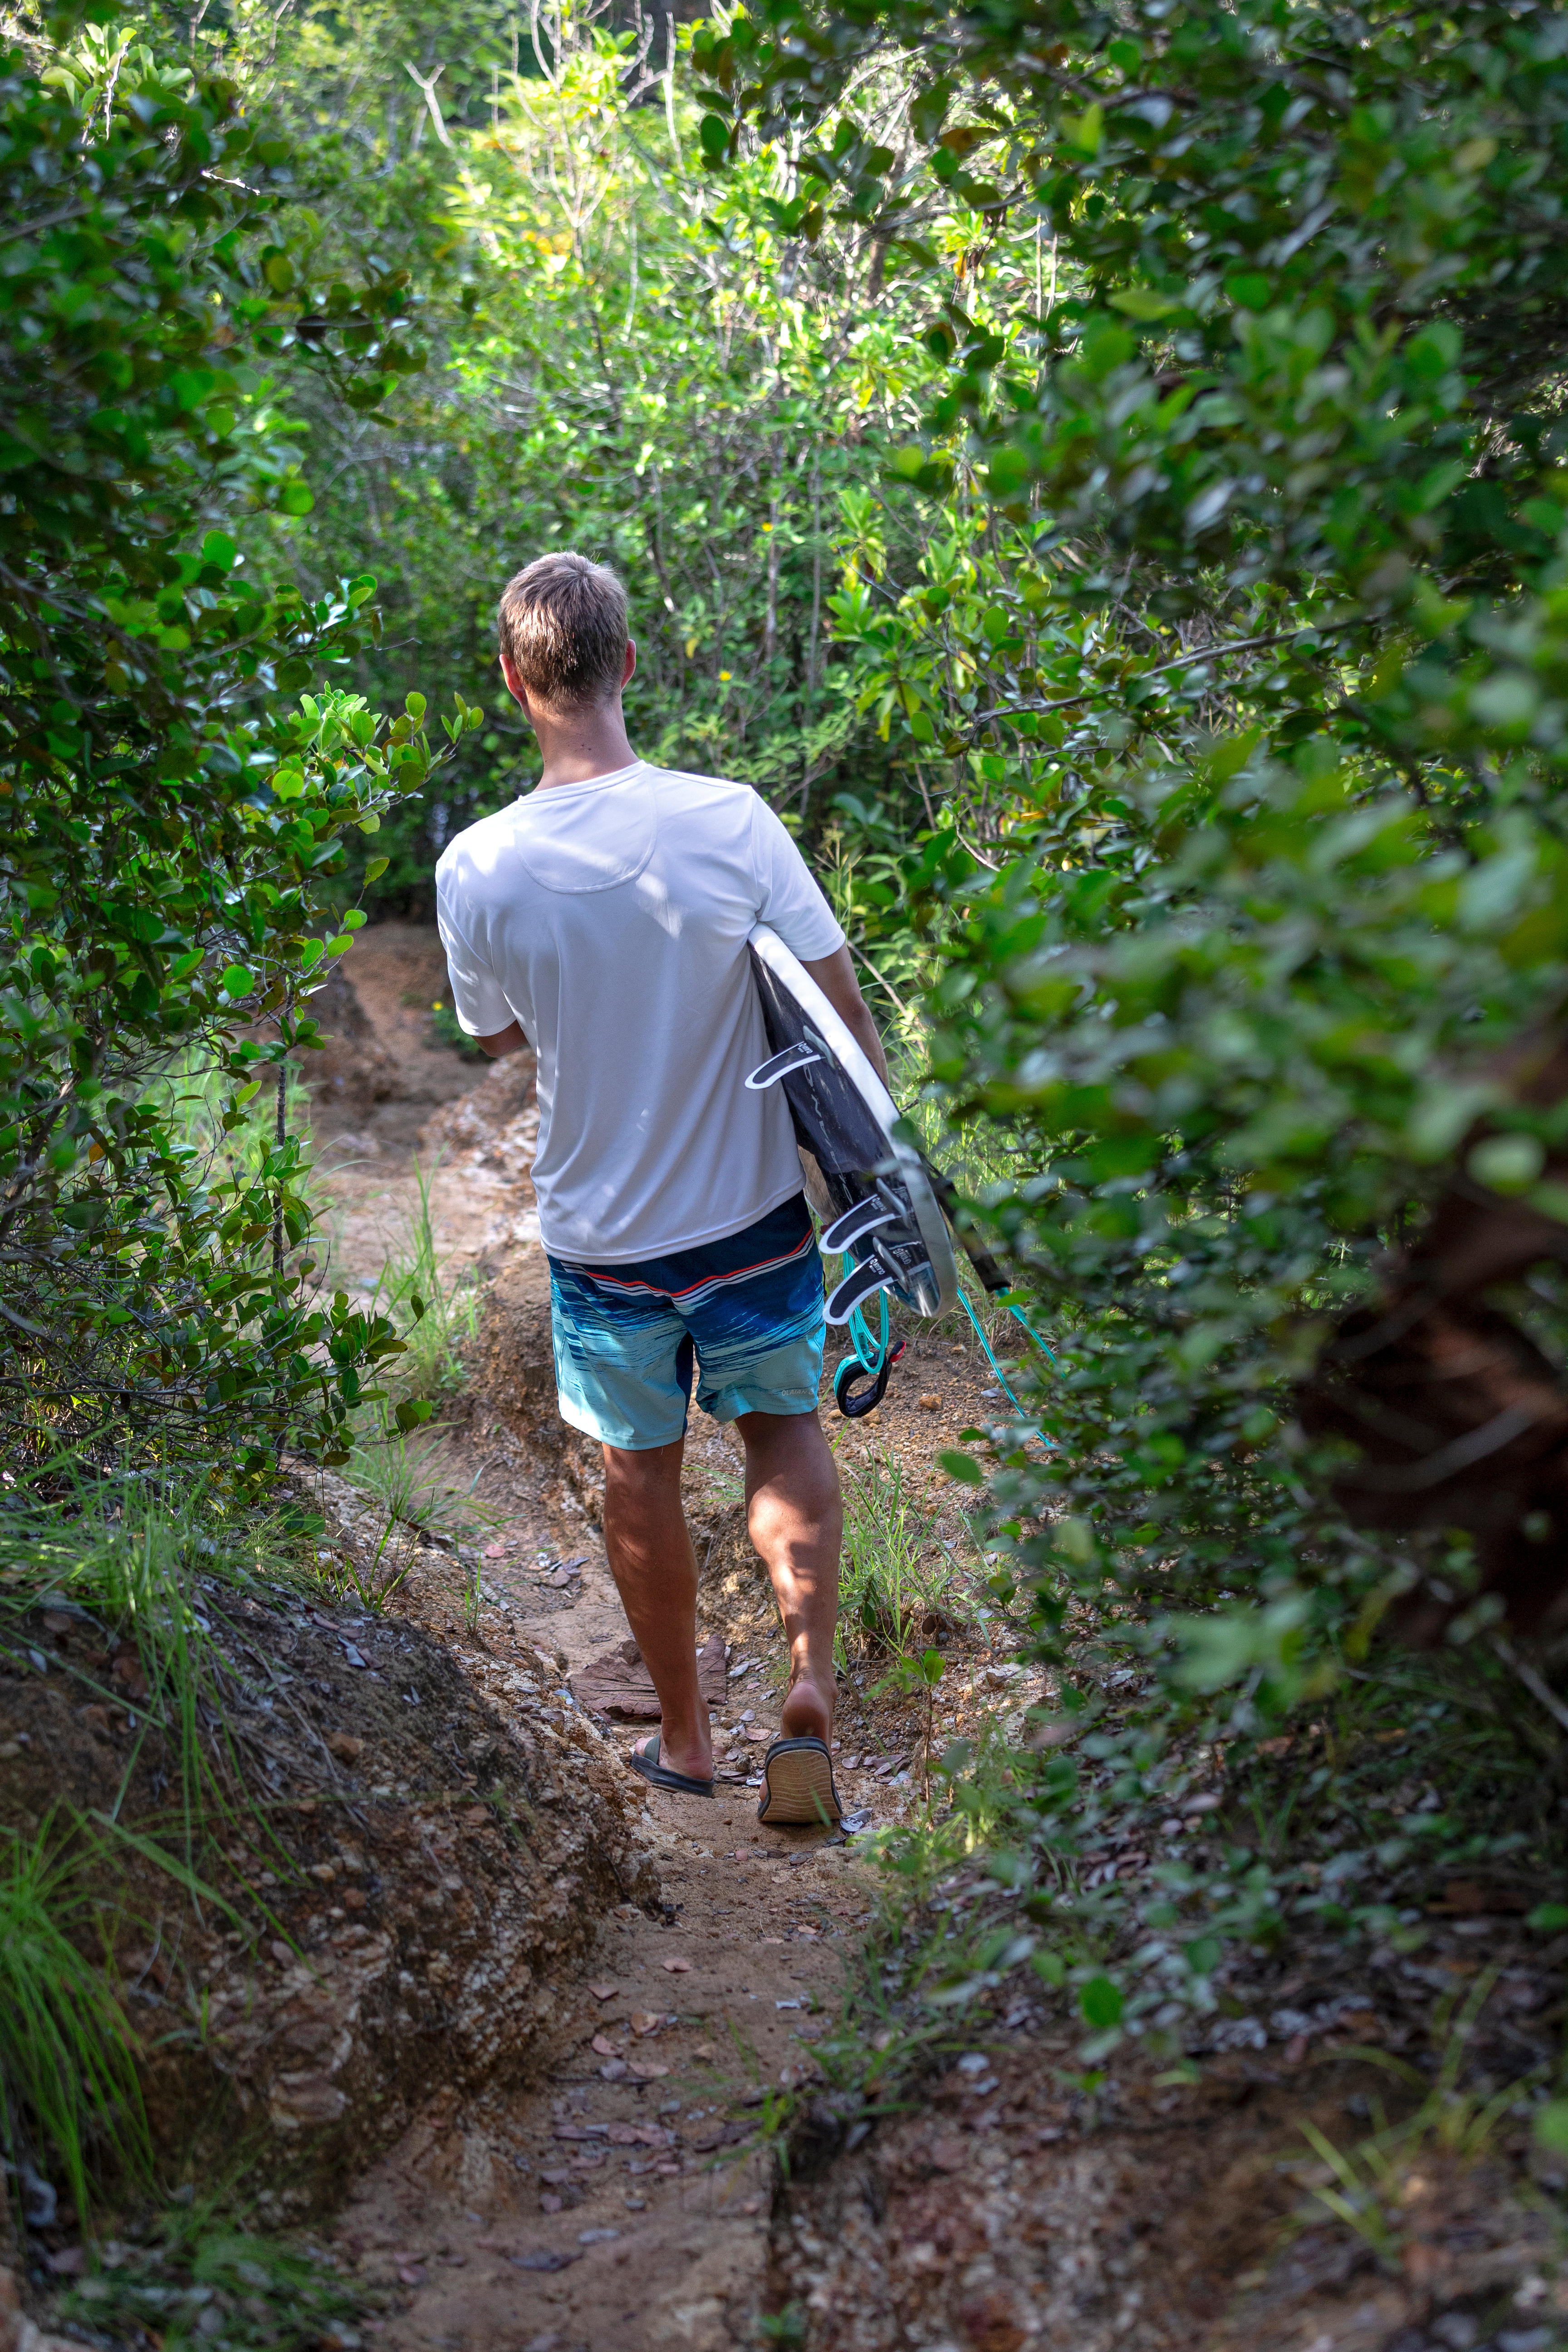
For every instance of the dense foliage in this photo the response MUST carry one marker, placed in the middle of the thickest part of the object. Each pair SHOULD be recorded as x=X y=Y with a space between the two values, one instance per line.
x=615 y=356
x=170 y=812
x=1248 y=705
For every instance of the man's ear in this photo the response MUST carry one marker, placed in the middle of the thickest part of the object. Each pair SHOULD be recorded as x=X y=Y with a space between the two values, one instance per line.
x=514 y=684
x=630 y=669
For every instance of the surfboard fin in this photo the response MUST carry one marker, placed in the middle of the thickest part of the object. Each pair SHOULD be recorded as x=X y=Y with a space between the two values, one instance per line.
x=857 y=1223
x=779 y=1066
x=861 y=1282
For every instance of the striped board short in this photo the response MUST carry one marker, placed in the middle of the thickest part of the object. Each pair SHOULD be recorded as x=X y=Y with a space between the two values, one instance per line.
x=743 y=1316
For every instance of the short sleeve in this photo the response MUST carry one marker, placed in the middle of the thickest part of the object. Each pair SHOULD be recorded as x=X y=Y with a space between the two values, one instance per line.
x=788 y=898
x=476 y=999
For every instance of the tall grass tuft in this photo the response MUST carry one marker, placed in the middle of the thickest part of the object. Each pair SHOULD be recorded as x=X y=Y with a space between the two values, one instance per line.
x=67 y=2075
x=895 y=1574
x=439 y=1311
x=148 y=1569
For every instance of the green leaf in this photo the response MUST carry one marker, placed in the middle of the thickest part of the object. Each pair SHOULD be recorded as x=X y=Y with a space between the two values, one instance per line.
x=219 y=549
x=1250 y=290
x=295 y=497
x=412 y=1413
x=376 y=868
x=964 y=1467
x=1552 y=2126
x=1548 y=1919
x=1100 y=2002
x=1142 y=302
x=236 y=980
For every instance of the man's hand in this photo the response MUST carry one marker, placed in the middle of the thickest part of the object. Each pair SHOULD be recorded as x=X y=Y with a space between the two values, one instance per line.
x=505 y=1041
x=835 y=975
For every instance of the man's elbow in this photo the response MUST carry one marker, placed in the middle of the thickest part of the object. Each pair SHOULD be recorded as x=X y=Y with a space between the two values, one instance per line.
x=504 y=1040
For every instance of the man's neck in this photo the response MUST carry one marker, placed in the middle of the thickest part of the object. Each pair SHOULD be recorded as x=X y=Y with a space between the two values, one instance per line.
x=579 y=745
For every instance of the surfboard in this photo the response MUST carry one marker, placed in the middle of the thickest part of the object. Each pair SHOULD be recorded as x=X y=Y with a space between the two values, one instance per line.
x=872 y=1188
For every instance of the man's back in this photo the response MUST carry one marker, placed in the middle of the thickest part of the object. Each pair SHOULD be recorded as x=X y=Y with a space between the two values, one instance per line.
x=610 y=919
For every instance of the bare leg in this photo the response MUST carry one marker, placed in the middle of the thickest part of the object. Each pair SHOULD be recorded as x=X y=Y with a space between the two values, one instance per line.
x=655 y=1571
x=796 y=1523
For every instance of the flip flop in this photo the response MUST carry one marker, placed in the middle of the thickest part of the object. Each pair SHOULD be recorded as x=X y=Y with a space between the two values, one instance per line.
x=646 y=1761
x=797 y=1776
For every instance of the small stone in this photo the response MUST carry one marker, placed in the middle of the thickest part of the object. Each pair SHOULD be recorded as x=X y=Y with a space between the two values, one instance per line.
x=345 y=1746
x=550 y=2202
x=604 y=1991
x=677 y=1967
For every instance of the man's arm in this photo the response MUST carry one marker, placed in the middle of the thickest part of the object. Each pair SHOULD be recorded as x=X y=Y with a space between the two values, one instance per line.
x=504 y=1040
x=835 y=975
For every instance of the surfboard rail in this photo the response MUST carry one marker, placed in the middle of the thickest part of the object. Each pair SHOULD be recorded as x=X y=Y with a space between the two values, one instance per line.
x=894 y=1231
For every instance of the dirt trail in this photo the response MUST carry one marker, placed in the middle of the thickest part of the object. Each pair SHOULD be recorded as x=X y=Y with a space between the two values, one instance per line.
x=624 y=2201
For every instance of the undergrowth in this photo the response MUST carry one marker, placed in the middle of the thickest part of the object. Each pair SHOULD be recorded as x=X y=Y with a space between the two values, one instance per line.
x=190 y=2277
x=1149 y=1886
x=68 y=2051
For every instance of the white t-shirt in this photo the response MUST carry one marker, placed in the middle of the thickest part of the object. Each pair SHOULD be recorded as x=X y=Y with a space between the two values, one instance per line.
x=611 y=919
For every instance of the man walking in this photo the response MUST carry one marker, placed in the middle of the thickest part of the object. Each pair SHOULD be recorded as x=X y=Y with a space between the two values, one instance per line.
x=605 y=917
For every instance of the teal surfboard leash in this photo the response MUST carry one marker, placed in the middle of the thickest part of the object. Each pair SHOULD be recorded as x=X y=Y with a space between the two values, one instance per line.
x=873 y=1358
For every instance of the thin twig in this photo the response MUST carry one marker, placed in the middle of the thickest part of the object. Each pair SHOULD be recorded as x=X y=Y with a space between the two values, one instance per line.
x=1535 y=1683
x=1181 y=661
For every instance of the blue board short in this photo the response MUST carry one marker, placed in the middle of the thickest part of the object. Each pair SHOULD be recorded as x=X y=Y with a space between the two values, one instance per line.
x=744 y=1312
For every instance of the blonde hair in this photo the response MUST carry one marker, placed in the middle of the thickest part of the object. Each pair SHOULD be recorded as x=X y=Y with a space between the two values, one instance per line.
x=562 y=626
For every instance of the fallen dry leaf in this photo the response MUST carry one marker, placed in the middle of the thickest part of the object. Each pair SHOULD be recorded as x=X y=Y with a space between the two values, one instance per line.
x=646 y=2021
x=677 y=1967
x=645 y=2071
x=604 y=1991
x=604 y=2046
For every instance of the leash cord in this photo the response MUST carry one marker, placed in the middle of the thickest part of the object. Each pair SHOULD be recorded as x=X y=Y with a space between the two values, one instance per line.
x=1001 y=1375
x=872 y=1352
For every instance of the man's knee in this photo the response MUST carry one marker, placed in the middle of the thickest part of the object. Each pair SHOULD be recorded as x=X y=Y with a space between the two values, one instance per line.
x=789 y=1456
